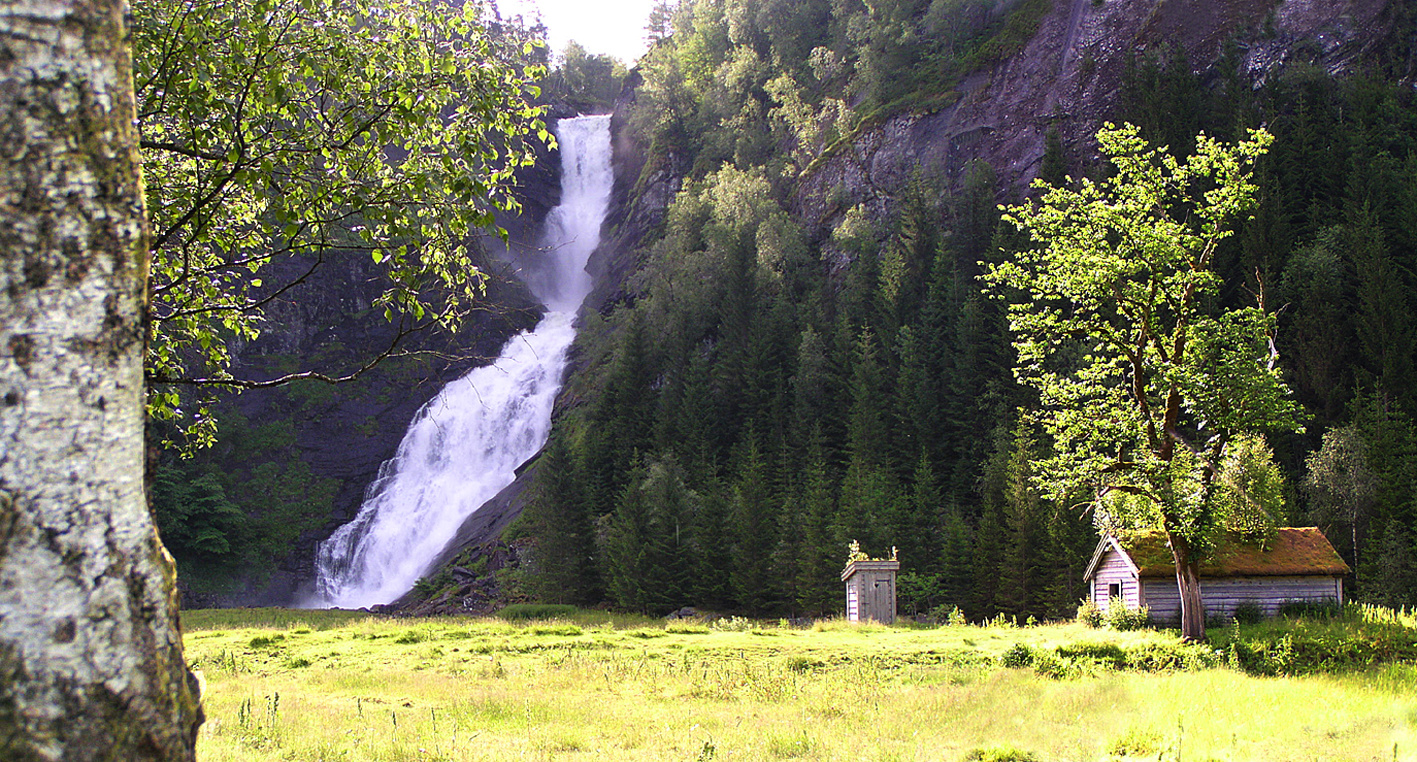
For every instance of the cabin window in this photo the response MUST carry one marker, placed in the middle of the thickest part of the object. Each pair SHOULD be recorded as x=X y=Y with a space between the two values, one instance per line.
x=1114 y=590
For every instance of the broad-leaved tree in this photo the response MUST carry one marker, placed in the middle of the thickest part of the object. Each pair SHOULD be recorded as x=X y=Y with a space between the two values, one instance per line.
x=279 y=136
x=1143 y=381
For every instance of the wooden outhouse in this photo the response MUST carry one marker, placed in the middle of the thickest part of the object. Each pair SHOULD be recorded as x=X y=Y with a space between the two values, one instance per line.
x=870 y=590
x=1300 y=566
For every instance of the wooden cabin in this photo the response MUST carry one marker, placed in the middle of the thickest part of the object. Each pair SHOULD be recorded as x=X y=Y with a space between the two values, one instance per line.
x=1300 y=566
x=870 y=590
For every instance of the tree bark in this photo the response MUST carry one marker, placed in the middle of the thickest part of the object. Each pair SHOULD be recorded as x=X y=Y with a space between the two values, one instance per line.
x=91 y=664
x=1189 y=584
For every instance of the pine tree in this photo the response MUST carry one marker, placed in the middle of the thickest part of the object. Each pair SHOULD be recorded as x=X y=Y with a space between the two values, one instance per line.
x=650 y=560
x=556 y=514
x=672 y=507
x=1386 y=332
x=629 y=556
x=1017 y=590
x=991 y=535
x=919 y=536
x=1395 y=581
x=820 y=564
x=870 y=493
x=1054 y=169
x=957 y=568
x=713 y=542
x=753 y=531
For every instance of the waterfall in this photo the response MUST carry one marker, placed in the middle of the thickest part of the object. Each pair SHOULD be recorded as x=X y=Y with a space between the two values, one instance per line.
x=464 y=446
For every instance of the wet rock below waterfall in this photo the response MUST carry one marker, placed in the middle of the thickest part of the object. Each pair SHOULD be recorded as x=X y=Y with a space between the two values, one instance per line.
x=480 y=580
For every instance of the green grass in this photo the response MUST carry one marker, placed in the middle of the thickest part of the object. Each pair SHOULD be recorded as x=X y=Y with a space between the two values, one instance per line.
x=313 y=685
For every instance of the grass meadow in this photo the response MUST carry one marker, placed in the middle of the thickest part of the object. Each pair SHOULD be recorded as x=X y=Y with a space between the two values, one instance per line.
x=318 y=685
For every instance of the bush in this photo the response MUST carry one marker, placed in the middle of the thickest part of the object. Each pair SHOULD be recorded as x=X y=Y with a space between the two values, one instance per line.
x=1107 y=654
x=525 y=611
x=1018 y=655
x=733 y=624
x=1248 y=613
x=1089 y=614
x=1051 y=665
x=1354 y=638
x=1122 y=619
x=1317 y=610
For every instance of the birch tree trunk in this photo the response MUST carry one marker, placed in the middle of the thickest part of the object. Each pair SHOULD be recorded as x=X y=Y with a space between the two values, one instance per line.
x=91 y=663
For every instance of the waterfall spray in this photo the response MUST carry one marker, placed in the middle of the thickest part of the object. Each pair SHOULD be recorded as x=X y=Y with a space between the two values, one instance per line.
x=464 y=446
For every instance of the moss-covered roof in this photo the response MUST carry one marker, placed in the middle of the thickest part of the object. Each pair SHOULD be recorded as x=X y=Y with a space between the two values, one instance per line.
x=1296 y=551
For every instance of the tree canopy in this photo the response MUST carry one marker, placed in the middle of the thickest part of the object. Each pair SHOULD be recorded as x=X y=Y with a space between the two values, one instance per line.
x=1143 y=383
x=278 y=135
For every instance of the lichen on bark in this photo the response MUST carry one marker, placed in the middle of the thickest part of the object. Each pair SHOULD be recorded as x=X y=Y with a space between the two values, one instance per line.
x=91 y=664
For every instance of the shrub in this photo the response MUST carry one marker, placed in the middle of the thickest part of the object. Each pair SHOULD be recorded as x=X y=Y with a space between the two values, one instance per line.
x=1248 y=613
x=1089 y=614
x=1049 y=664
x=1018 y=655
x=1108 y=654
x=733 y=624
x=1318 y=610
x=1122 y=619
x=525 y=611
x=804 y=663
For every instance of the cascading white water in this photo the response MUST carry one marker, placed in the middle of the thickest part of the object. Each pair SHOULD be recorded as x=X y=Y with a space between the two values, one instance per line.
x=464 y=446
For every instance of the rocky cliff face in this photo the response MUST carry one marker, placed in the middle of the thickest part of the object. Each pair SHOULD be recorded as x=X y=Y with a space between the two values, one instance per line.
x=1069 y=77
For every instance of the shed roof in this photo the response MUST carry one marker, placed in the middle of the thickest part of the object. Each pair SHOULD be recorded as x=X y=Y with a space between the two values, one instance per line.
x=1297 y=551
x=868 y=565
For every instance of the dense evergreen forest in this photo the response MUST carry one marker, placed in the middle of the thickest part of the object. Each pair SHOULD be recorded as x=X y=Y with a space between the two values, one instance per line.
x=765 y=390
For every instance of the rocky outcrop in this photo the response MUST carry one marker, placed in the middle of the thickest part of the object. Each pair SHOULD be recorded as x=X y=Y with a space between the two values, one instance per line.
x=644 y=188
x=1069 y=77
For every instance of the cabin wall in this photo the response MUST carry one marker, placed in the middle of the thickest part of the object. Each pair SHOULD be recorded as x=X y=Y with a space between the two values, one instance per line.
x=1223 y=596
x=1112 y=569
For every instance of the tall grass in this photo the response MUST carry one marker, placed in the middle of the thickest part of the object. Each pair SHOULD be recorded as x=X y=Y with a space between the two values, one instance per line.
x=591 y=689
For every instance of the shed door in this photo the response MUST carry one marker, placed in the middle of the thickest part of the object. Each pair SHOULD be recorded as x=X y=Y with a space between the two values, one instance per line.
x=882 y=599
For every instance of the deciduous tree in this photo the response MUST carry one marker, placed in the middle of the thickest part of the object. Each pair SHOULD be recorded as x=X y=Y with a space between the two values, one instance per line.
x=91 y=662
x=281 y=135
x=1142 y=382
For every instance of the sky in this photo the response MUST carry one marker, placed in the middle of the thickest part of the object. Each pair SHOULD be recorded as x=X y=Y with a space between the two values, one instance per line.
x=608 y=27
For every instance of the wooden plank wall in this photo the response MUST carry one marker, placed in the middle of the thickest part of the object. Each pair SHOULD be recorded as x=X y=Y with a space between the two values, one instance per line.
x=1223 y=596
x=1112 y=569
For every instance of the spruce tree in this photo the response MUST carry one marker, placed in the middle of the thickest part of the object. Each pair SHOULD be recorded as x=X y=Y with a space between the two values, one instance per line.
x=1017 y=589
x=564 y=570
x=820 y=564
x=753 y=531
x=630 y=573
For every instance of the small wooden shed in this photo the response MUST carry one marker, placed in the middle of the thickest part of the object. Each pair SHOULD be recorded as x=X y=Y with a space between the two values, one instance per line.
x=1300 y=566
x=870 y=590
